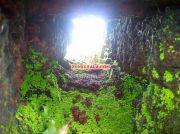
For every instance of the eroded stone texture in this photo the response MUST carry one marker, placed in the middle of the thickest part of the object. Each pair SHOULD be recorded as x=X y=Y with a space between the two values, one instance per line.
x=89 y=80
x=7 y=80
x=128 y=40
x=47 y=32
x=148 y=43
x=12 y=48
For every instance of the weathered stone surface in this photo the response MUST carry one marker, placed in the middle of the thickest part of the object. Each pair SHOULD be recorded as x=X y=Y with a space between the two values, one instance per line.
x=7 y=80
x=172 y=60
x=147 y=42
x=12 y=48
x=109 y=8
x=89 y=80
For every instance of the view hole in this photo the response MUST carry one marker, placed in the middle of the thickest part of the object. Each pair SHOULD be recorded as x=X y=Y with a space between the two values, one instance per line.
x=88 y=38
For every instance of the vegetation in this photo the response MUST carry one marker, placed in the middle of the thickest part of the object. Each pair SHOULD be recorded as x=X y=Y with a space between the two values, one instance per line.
x=171 y=49
x=157 y=108
x=131 y=106
x=161 y=50
x=42 y=101
x=167 y=42
x=144 y=70
x=155 y=73
x=168 y=76
x=45 y=107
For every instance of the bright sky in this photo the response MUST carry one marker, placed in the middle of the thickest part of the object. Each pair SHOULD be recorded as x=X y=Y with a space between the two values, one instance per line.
x=88 y=37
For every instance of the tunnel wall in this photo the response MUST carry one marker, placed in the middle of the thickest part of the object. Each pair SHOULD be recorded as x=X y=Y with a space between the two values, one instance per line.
x=24 y=24
x=12 y=42
x=147 y=46
x=41 y=25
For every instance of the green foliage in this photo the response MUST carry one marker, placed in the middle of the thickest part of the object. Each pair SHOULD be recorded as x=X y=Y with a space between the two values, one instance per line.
x=157 y=106
x=167 y=30
x=35 y=61
x=45 y=108
x=39 y=87
x=177 y=75
x=116 y=115
x=161 y=56
x=29 y=119
x=51 y=128
x=168 y=24
x=177 y=38
x=42 y=101
x=171 y=49
x=144 y=70
x=38 y=77
x=161 y=50
x=132 y=87
x=155 y=73
x=168 y=76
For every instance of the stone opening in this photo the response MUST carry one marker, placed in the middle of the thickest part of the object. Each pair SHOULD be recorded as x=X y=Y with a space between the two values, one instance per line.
x=87 y=39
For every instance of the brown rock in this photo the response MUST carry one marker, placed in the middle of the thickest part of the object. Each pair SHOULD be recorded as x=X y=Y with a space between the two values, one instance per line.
x=88 y=102
x=98 y=118
x=118 y=94
x=78 y=115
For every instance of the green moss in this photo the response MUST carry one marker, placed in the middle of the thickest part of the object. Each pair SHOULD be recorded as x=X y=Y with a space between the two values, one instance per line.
x=177 y=75
x=116 y=120
x=177 y=39
x=29 y=119
x=155 y=73
x=166 y=98
x=39 y=87
x=166 y=28
x=178 y=92
x=161 y=47
x=168 y=76
x=166 y=33
x=161 y=56
x=116 y=115
x=42 y=101
x=168 y=23
x=161 y=50
x=144 y=70
x=171 y=49
x=159 y=110
x=132 y=87
x=157 y=107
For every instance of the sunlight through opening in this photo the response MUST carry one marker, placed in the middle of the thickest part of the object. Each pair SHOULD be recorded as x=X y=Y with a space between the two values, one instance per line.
x=88 y=38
